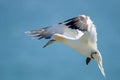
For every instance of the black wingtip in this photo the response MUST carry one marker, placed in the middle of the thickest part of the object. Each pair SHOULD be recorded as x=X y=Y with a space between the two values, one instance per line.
x=48 y=43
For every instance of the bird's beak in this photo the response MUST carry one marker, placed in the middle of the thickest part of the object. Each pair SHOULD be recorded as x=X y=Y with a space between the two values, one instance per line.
x=101 y=67
x=98 y=59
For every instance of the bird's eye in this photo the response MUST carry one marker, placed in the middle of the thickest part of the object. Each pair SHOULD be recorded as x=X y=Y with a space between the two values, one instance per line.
x=94 y=52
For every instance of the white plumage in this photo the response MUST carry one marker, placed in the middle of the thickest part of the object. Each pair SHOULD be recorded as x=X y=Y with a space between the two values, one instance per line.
x=79 y=33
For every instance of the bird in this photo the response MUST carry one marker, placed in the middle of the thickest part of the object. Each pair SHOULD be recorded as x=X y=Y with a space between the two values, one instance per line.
x=78 y=33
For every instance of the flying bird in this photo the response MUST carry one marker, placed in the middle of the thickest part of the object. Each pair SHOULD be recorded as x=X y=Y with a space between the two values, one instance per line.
x=78 y=33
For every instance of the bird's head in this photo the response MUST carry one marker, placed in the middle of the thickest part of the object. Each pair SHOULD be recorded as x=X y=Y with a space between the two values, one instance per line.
x=98 y=58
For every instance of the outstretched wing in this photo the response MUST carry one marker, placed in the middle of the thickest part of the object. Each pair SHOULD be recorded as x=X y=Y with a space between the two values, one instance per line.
x=77 y=27
x=48 y=32
x=85 y=25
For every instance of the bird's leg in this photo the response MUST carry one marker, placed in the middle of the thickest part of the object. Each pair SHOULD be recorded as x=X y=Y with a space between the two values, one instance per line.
x=88 y=60
x=48 y=43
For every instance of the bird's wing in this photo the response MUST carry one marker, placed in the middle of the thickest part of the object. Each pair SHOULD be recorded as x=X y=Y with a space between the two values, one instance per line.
x=48 y=32
x=83 y=24
x=90 y=34
x=71 y=28
x=74 y=28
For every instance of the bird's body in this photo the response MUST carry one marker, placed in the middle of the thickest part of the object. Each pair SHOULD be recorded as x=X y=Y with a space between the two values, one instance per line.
x=78 y=33
x=83 y=47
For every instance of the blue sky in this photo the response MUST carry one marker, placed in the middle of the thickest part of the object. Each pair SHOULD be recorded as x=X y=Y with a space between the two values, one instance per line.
x=23 y=58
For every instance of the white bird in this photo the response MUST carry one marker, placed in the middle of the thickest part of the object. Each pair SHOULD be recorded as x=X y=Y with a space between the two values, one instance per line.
x=78 y=33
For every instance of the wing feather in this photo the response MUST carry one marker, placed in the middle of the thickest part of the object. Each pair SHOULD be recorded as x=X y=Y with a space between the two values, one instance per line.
x=84 y=24
x=72 y=28
x=79 y=22
x=48 y=32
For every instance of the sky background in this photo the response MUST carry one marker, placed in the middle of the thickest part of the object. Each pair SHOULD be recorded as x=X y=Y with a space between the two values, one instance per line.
x=23 y=58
